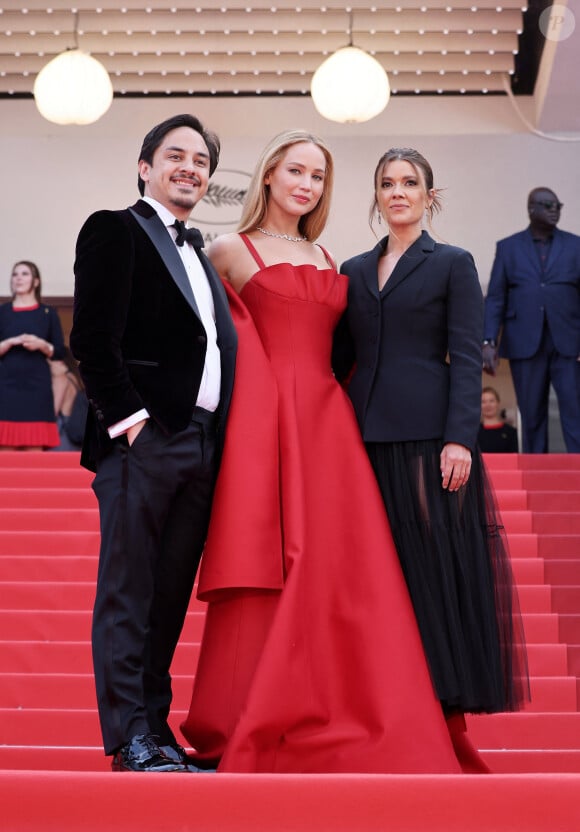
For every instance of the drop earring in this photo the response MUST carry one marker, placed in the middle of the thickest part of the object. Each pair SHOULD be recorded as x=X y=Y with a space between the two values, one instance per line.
x=379 y=217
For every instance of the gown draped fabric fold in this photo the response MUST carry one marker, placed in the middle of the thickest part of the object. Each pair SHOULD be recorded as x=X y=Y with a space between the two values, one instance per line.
x=311 y=659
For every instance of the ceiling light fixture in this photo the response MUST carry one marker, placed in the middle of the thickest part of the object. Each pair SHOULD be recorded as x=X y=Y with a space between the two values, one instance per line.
x=73 y=88
x=350 y=86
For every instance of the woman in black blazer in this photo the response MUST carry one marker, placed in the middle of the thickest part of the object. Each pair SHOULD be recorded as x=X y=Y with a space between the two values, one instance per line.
x=410 y=344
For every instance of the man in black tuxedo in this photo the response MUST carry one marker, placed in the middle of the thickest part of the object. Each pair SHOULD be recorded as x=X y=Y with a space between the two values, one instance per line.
x=156 y=346
x=534 y=299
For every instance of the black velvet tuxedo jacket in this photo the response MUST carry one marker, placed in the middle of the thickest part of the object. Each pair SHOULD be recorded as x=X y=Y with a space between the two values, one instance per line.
x=415 y=346
x=136 y=330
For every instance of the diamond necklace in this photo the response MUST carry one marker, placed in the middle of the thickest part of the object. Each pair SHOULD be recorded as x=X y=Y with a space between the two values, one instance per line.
x=283 y=236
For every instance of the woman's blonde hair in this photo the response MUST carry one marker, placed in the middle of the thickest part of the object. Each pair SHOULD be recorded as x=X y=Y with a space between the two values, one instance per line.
x=310 y=225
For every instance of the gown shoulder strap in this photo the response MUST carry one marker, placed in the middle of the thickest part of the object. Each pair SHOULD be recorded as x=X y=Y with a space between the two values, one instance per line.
x=329 y=259
x=252 y=249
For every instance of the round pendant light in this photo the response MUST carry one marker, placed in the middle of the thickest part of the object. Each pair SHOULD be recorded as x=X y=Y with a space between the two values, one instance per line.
x=350 y=86
x=73 y=88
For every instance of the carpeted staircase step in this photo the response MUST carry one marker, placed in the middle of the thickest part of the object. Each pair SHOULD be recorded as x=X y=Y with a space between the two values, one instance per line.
x=502 y=462
x=83 y=568
x=535 y=598
x=569 y=627
x=525 y=730
x=551 y=480
x=559 y=546
x=557 y=522
x=66 y=690
x=55 y=543
x=523 y=545
x=517 y=521
x=74 y=656
x=541 y=628
x=81 y=727
x=503 y=480
x=50 y=519
x=547 y=462
x=64 y=477
x=61 y=690
x=63 y=625
x=566 y=599
x=512 y=499
x=43 y=758
x=78 y=595
x=40 y=568
x=49 y=497
x=528 y=571
x=552 y=500
x=573 y=652
x=562 y=572
x=98 y=801
x=39 y=460
x=524 y=760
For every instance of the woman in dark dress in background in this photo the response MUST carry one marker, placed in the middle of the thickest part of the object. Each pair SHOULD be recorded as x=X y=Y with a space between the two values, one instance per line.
x=410 y=345
x=30 y=336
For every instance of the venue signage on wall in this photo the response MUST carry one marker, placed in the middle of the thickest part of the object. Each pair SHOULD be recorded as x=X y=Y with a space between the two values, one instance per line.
x=220 y=210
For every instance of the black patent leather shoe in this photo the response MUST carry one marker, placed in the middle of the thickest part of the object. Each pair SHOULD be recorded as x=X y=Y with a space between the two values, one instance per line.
x=179 y=755
x=142 y=753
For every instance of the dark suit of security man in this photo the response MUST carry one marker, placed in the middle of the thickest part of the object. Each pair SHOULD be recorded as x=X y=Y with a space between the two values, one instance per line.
x=532 y=309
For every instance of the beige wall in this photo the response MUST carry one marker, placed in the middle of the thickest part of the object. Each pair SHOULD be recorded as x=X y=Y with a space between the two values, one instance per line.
x=483 y=157
x=53 y=177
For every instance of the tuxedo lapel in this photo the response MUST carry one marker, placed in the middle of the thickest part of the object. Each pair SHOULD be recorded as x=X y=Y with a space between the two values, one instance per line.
x=217 y=289
x=157 y=233
x=408 y=262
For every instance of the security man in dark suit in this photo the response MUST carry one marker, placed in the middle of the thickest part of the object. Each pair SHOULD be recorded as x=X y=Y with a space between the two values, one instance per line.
x=534 y=299
x=156 y=345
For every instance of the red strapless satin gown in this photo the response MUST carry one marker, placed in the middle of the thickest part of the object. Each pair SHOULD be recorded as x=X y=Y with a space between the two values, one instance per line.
x=311 y=659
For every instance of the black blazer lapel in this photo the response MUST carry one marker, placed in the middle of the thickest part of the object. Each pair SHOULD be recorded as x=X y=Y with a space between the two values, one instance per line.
x=162 y=241
x=412 y=258
x=369 y=265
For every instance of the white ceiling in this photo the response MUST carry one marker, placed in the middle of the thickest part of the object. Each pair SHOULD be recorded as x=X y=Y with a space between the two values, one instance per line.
x=186 y=47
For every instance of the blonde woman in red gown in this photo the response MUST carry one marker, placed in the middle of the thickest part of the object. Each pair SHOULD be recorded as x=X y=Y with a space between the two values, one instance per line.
x=311 y=659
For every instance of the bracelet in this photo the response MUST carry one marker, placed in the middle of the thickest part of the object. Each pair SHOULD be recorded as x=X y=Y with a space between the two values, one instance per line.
x=490 y=343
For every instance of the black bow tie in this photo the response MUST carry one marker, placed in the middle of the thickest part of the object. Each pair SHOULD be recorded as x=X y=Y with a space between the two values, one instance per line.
x=191 y=235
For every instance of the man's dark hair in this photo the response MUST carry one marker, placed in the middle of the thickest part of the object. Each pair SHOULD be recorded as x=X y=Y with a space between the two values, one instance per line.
x=156 y=135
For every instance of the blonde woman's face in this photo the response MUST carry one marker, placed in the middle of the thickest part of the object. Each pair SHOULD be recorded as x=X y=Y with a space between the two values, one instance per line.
x=297 y=181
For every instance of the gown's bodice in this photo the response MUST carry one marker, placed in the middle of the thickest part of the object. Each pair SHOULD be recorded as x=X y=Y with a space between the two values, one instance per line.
x=295 y=310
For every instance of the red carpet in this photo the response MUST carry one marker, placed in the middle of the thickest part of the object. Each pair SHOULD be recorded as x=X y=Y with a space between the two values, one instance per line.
x=53 y=774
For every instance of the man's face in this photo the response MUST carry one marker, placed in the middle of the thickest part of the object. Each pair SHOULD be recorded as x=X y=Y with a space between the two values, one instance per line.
x=544 y=208
x=179 y=174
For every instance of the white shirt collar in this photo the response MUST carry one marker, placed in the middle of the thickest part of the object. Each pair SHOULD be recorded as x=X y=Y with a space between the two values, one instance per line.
x=165 y=214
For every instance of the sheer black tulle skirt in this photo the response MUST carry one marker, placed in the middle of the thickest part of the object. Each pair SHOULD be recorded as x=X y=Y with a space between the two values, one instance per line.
x=454 y=554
